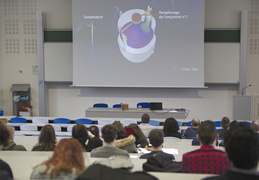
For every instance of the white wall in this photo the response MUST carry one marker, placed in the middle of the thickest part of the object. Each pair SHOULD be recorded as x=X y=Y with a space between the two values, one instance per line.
x=211 y=103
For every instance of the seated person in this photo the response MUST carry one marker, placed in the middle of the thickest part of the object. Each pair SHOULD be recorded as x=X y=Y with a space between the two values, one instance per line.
x=171 y=128
x=121 y=133
x=242 y=147
x=156 y=139
x=47 y=139
x=192 y=131
x=108 y=149
x=5 y=170
x=67 y=162
x=206 y=159
x=144 y=125
x=255 y=128
x=141 y=140
x=11 y=146
x=224 y=125
x=84 y=136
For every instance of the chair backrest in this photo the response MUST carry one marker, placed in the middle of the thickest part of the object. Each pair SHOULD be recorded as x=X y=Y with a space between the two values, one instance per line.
x=57 y=128
x=101 y=105
x=28 y=127
x=18 y=120
x=245 y=122
x=62 y=121
x=217 y=123
x=191 y=138
x=189 y=123
x=64 y=135
x=180 y=123
x=169 y=137
x=84 y=121
x=69 y=128
x=143 y=105
x=126 y=122
x=154 y=123
x=40 y=120
x=116 y=106
x=105 y=121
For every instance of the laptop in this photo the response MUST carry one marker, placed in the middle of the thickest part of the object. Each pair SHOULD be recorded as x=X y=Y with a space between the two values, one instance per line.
x=156 y=106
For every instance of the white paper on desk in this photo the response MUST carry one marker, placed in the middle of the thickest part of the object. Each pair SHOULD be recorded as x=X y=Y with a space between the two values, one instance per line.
x=166 y=150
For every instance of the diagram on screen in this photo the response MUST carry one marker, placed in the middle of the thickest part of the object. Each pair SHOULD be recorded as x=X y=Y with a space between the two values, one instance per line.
x=136 y=37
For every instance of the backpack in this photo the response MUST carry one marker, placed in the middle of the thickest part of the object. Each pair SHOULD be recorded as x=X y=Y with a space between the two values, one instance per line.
x=161 y=162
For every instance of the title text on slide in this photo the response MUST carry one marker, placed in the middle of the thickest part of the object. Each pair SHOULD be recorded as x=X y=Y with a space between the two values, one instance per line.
x=171 y=15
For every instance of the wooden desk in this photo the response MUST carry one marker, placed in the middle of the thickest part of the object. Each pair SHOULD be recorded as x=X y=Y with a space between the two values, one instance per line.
x=133 y=113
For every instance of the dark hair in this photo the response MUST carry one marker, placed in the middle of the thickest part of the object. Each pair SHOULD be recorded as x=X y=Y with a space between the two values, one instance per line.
x=4 y=135
x=156 y=138
x=95 y=131
x=119 y=127
x=225 y=122
x=109 y=133
x=140 y=137
x=233 y=124
x=171 y=126
x=79 y=132
x=242 y=147
x=145 y=118
x=47 y=138
x=207 y=132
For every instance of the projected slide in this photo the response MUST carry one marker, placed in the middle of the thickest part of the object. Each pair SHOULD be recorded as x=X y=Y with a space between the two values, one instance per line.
x=138 y=43
x=136 y=34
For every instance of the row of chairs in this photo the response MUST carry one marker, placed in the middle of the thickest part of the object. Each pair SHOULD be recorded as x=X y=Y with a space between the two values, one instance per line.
x=218 y=123
x=104 y=105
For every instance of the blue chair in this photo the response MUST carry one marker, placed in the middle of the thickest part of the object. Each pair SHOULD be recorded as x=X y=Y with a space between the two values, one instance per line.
x=191 y=138
x=101 y=105
x=189 y=123
x=84 y=121
x=245 y=122
x=154 y=123
x=143 y=104
x=18 y=120
x=217 y=123
x=180 y=123
x=116 y=106
x=62 y=121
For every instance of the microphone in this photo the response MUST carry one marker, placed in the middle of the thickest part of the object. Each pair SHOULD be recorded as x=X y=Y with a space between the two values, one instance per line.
x=245 y=88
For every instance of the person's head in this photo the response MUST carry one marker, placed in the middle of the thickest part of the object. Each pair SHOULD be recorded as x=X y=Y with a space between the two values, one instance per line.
x=156 y=138
x=255 y=126
x=137 y=132
x=95 y=131
x=233 y=124
x=171 y=126
x=11 y=132
x=145 y=118
x=207 y=133
x=109 y=133
x=79 y=132
x=195 y=122
x=4 y=135
x=67 y=158
x=119 y=127
x=225 y=122
x=47 y=138
x=242 y=147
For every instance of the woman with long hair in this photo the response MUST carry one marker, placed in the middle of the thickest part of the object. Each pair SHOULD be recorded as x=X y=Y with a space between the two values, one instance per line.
x=141 y=140
x=66 y=162
x=171 y=128
x=47 y=139
x=121 y=133
x=84 y=136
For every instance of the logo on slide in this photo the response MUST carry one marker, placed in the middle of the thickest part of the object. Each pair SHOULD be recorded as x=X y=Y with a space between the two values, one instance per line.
x=136 y=37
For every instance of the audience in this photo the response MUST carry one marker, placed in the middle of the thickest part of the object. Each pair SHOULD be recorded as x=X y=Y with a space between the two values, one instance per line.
x=141 y=140
x=47 y=139
x=156 y=139
x=95 y=131
x=121 y=133
x=5 y=170
x=66 y=162
x=144 y=125
x=192 y=131
x=171 y=128
x=232 y=125
x=81 y=133
x=255 y=128
x=206 y=159
x=108 y=149
x=242 y=147
x=12 y=146
x=224 y=125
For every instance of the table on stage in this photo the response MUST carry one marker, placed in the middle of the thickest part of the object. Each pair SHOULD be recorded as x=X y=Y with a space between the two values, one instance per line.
x=134 y=113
